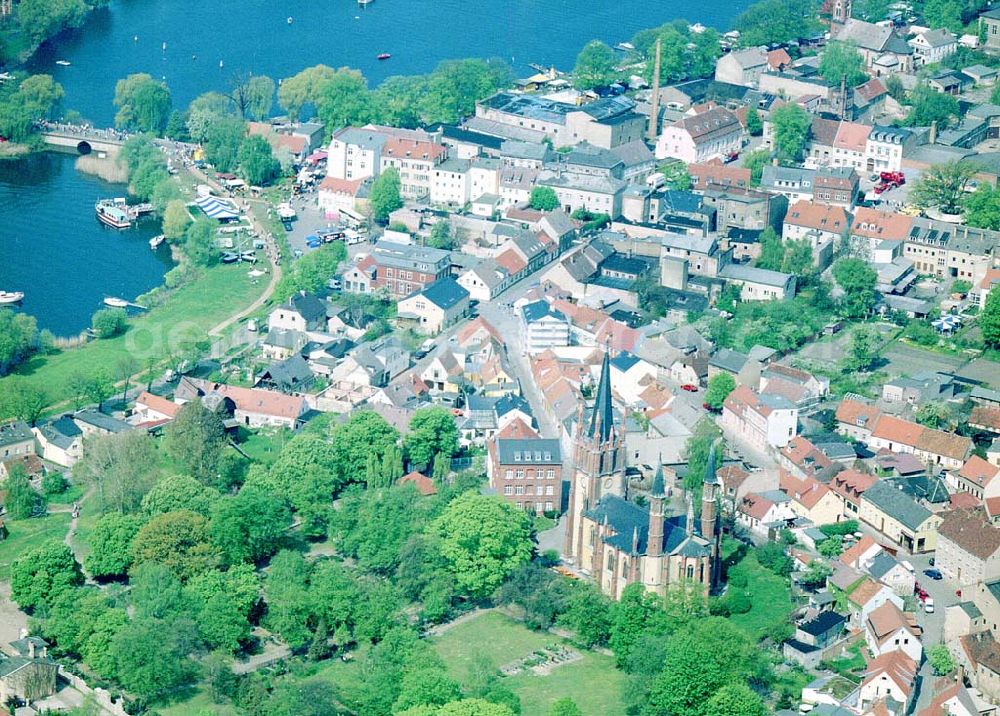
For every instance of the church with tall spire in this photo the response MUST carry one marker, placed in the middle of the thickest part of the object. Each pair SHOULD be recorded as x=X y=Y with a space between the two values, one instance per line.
x=615 y=541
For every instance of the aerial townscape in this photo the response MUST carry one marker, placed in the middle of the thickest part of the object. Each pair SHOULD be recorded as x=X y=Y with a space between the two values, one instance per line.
x=651 y=378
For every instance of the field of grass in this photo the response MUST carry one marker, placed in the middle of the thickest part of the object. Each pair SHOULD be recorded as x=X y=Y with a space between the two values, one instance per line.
x=263 y=446
x=26 y=535
x=592 y=682
x=770 y=598
x=185 y=316
x=199 y=703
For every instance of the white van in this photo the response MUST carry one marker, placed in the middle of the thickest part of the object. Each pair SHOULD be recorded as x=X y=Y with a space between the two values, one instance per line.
x=929 y=605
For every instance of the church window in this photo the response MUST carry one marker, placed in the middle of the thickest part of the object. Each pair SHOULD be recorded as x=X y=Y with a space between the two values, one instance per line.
x=690 y=571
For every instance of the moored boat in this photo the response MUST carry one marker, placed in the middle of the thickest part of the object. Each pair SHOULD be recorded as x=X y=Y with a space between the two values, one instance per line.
x=115 y=302
x=113 y=213
x=156 y=241
x=383 y=56
x=8 y=297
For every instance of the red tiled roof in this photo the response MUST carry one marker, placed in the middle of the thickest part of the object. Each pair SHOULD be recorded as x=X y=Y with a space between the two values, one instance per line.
x=971 y=531
x=897 y=430
x=717 y=173
x=424 y=485
x=398 y=148
x=850 y=412
x=985 y=416
x=874 y=224
x=822 y=217
x=852 y=136
x=341 y=186
x=897 y=666
x=160 y=405
x=755 y=505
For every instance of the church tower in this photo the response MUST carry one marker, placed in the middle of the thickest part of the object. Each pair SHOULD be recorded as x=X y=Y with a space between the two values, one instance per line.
x=657 y=498
x=840 y=13
x=600 y=464
x=711 y=530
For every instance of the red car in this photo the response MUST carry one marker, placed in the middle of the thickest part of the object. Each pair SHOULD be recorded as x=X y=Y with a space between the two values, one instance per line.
x=689 y=387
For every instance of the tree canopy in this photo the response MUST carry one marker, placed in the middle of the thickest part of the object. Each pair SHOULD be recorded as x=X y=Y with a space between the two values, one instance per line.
x=386 y=194
x=792 y=126
x=143 y=104
x=595 y=66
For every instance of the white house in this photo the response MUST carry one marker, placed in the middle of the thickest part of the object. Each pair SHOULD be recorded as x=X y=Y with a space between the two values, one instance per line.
x=355 y=153
x=435 y=307
x=485 y=280
x=889 y=629
x=450 y=182
x=709 y=133
x=337 y=195
x=544 y=327
x=891 y=675
x=932 y=46
x=765 y=421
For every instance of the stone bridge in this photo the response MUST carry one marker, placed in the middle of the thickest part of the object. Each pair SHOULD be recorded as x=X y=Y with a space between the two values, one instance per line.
x=92 y=141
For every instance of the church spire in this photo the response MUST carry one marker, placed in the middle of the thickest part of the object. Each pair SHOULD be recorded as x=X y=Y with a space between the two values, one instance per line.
x=658 y=489
x=602 y=419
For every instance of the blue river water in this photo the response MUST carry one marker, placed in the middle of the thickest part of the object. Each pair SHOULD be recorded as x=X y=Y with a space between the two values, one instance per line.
x=52 y=247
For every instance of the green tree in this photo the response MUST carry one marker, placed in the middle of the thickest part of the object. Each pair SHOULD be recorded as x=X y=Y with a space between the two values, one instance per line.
x=39 y=576
x=483 y=539
x=777 y=21
x=179 y=540
x=385 y=196
x=365 y=431
x=122 y=467
x=109 y=322
x=195 y=440
x=863 y=349
x=981 y=208
x=894 y=85
x=755 y=125
x=252 y=95
x=772 y=250
x=816 y=574
x=841 y=62
x=22 y=500
x=442 y=236
x=543 y=198
x=427 y=685
x=295 y=92
x=858 y=280
x=936 y=414
x=289 y=603
x=343 y=99
x=942 y=186
x=223 y=137
x=257 y=163
x=929 y=106
x=595 y=66
x=432 y=431
x=150 y=659
x=312 y=272
x=831 y=547
x=179 y=492
x=798 y=258
x=110 y=545
x=18 y=338
x=42 y=19
x=700 y=660
x=565 y=707
x=676 y=176
x=941 y=660
x=199 y=242
x=21 y=399
x=792 y=126
x=143 y=103
x=720 y=386
x=944 y=13
x=248 y=526
x=589 y=614
x=175 y=220
x=989 y=319
x=736 y=700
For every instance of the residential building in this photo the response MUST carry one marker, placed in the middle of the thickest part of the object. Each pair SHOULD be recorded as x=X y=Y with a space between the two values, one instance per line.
x=968 y=547
x=60 y=441
x=812 y=500
x=527 y=472
x=434 y=307
x=763 y=512
x=250 y=407
x=416 y=162
x=355 y=153
x=711 y=133
x=29 y=673
x=302 y=312
x=892 y=675
x=742 y=67
x=758 y=284
x=764 y=421
x=451 y=183
x=932 y=46
x=400 y=269
x=544 y=327
x=339 y=195
x=884 y=51
x=16 y=439
x=889 y=629
x=991 y=25
x=899 y=517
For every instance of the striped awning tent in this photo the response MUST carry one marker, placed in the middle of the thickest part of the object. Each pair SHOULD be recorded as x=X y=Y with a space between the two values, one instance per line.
x=216 y=208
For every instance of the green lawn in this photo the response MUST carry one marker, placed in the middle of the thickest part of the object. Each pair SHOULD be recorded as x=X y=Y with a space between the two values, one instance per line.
x=592 y=682
x=200 y=703
x=770 y=598
x=186 y=315
x=25 y=535
x=264 y=445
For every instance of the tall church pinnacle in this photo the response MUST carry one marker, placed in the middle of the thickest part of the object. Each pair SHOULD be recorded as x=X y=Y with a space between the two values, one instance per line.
x=711 y=477
x=658 y=489
x=602 y=419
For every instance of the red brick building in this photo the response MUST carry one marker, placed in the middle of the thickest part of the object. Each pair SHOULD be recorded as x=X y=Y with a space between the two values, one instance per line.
x=527 y=472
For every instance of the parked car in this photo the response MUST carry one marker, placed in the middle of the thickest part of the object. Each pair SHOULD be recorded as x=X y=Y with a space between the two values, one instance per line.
x=690 y=387
x=934 y=574
x=929 y=605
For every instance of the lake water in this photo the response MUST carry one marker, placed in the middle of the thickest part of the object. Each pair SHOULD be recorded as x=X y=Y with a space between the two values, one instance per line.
x=255 y=36
x=52 y=246
x=54 y=249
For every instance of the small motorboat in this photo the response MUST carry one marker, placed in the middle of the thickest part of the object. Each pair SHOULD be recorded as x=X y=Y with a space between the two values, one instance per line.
x=228 y=257
x=290 y=21
x=156 y=241
x=9 y=297
x=383 y=56
x=63 y=63
x=116 y=302
x=248 y=256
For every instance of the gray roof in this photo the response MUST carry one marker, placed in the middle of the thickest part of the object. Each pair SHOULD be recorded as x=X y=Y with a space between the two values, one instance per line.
x=777 y=178
x=752 y=274
x=101 y=421
x=881 y=565
x=897 y=504
x=938 y=38
x=538 y=310
x=536 y=451
x=631 y=522
x=524 y=150
x=686 y=242
x=61 y=432
x=409 y=256
x=872 y=37
x=581 y=182
x=291 y=373
x=729 y=360
x=365 y=138
x=15 y=432
x=602 y=417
